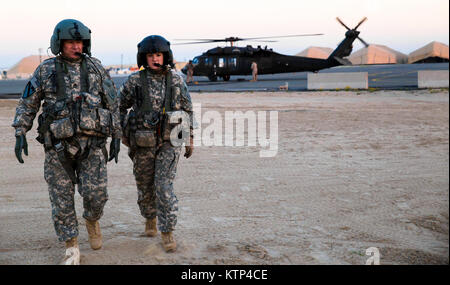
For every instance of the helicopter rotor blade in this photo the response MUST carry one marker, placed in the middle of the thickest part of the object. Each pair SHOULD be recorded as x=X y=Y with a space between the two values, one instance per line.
x=360 y=22
x=193 y=43
x=206 y=42
x=342 y=23
x=236 y=39
x=202 y=40
x=289 y=36
x=364 y=42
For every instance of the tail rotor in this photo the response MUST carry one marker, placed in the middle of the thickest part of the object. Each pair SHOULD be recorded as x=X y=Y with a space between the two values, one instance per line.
x=354 y=30
x=360 y=22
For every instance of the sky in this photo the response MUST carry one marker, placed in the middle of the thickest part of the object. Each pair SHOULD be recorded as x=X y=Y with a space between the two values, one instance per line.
x=119 y=25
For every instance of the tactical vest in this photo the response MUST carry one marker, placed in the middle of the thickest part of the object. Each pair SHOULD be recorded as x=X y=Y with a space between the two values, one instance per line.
x=145 y=127
x=85 y=115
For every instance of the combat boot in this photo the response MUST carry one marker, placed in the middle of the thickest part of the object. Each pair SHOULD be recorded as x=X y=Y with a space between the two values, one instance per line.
x=169 y=243
x=95 y=236
x=72 y=256
x=150 y=227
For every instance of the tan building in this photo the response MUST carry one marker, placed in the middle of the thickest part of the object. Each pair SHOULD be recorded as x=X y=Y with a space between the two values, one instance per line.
x=179 y=65
x=25 y=67
x=316 y=52
x=432 y=52
x=377 y=54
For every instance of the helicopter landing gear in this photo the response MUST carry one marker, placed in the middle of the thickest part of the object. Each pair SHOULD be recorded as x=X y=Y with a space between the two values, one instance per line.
x=212 y=77
x=226 y=77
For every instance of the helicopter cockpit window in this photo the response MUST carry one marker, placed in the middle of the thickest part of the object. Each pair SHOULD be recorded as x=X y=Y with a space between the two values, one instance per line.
x=232 y=62
x=195 y=60
x=221 y=62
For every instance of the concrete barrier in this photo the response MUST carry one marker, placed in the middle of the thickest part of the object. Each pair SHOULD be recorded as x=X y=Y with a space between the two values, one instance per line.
x=354 y=80
x=432 y=78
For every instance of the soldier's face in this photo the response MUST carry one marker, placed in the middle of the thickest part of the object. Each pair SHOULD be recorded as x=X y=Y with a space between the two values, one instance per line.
x=155 y=60
x=71 y=48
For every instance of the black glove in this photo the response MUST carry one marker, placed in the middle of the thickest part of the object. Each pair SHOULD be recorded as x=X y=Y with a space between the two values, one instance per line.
x=114 y=149
x=21 y=144
x=189 y=149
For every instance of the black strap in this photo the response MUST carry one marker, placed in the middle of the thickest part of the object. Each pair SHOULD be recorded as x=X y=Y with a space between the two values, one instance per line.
x=168 y=96
x=167 y=103
x=146 y=102
x=84 y=84
x=60 y=83
x=66 y=164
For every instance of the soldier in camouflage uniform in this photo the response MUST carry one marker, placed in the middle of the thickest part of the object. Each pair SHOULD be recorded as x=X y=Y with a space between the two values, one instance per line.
x=80 y=111
x=152 y=130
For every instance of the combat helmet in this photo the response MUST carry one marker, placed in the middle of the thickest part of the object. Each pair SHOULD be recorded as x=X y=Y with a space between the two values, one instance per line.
x=70 y=29
x=154 y=44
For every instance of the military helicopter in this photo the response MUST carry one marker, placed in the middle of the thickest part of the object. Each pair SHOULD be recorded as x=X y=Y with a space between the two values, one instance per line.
x=231 y=60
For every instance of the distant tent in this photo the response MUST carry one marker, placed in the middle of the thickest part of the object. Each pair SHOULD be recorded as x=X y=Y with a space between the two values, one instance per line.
x=432 y=52
x=316 y=52
x=377 y=54
x=25 y=67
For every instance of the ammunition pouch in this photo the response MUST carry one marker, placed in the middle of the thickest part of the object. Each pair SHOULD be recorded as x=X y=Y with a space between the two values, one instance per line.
x=141 y=130
x=146 y=129
x=62 y=128
x=95 y=121
x=145 y=138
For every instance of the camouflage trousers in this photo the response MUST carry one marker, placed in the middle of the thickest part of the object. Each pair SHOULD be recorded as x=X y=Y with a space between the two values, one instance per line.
x=155 y=170
x=91 y=186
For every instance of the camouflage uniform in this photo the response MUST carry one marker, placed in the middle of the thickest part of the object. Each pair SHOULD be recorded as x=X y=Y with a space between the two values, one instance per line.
x=155 y=167
x=85 y=150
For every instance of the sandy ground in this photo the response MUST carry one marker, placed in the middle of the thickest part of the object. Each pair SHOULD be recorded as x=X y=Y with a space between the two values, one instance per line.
x=353 y=170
